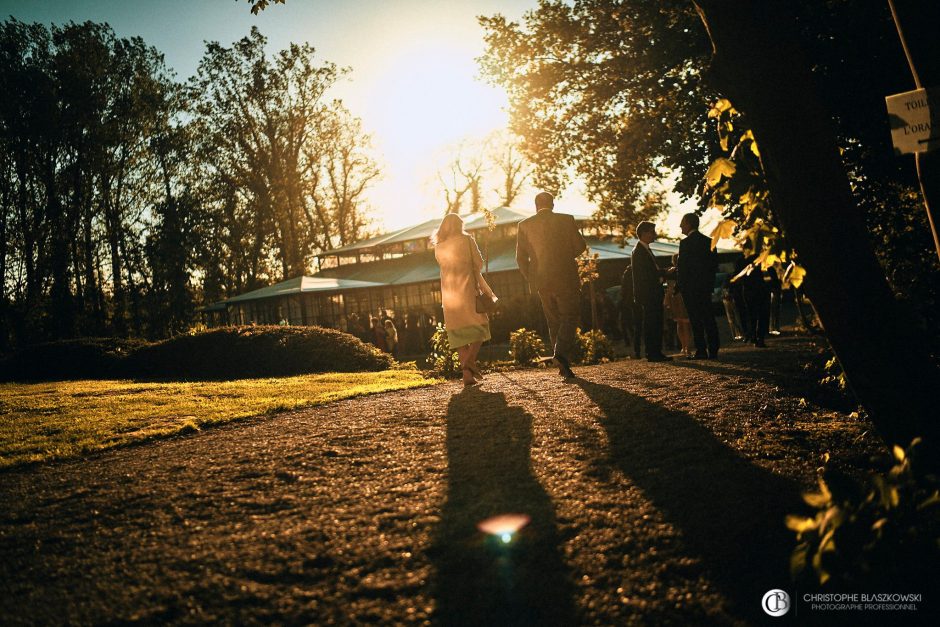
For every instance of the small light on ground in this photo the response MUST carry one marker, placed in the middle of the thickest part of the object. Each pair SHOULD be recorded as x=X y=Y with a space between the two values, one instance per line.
x=504 y=526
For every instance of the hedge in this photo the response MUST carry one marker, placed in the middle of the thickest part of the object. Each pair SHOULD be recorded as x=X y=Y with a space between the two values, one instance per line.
x=218 y=354
x=83 y=358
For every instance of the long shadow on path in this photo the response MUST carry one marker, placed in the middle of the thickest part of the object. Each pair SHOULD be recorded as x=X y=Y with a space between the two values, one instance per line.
x=729 y=511
x=482 y=580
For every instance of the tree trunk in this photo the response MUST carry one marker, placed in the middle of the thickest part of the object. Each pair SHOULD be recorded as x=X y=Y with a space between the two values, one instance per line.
x=62 y=311
x=758 y=63
x=113 y=223
x=92 y=289
x=29 y=241
x=6 y=208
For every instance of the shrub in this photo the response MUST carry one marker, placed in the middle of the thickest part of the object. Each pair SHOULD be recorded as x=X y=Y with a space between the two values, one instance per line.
x=83 y=358
x=444 y=361
x=525 y=346
x=885 y=532
x=594 y=347
x=834 y=375
x=258 y=351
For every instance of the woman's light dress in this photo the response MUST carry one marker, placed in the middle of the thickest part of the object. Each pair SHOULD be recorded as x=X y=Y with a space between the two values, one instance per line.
x=460 y=260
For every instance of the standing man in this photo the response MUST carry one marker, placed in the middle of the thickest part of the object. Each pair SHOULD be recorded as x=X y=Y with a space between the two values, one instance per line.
x=648 y=291
x=546 y=247
x=695 y=281
x=631 y=321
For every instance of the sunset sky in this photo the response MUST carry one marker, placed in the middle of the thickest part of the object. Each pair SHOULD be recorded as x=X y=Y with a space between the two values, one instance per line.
x=413 y=79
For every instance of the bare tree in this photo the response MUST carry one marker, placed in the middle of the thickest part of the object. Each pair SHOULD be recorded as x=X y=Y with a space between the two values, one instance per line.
x=511 y=166
x=463 y=175
x=348 y=170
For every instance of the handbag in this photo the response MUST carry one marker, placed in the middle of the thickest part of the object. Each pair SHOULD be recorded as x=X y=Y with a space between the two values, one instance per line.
x=484 y=304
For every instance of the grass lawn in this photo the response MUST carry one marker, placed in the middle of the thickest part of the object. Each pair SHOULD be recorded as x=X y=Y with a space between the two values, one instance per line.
x=59 y=420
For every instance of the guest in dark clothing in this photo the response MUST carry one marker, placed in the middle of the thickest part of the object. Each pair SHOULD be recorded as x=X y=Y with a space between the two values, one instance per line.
x=356 y=328
x=406 y=335
x=586 y=317
x=757 y=300
x=736 y=291
x=648 y=291
x=425 y=329
x=695 y=281
x=378 y=334
x=607 y=315
x=776 y=300
x=733 y=313
x=630 y=314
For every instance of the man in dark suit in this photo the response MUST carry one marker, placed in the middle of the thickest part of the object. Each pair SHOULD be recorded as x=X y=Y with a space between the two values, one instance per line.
x=546 y=247
x=631 y=321
x=648 y=291
x=695 y=281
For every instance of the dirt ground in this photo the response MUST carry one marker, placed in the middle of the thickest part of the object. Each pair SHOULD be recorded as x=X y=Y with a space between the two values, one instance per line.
x=656 y=494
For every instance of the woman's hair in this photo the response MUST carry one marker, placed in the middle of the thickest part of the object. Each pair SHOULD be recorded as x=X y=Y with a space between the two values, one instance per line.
x=389 y=323
x=451 y=225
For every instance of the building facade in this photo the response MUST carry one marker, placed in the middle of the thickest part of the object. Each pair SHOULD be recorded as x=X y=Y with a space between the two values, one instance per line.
x=395 y=276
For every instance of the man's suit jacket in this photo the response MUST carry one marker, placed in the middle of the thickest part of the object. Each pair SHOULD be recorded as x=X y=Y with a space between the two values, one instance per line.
x=546 y=247
x=697 y=264
x=647 y=277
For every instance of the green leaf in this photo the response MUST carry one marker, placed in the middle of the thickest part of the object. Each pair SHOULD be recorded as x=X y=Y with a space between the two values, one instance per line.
x=798 y=559
x=793 y=276
x=898 y=453
x=815 y=499
x=749 y=137
x=724 y=230
x=800 y=524
x=821 y=499
x=720 y=107
x=933 y=499
x=720 y=167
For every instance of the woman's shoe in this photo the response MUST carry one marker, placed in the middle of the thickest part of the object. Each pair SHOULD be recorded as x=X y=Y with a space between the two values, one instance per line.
x=468 y=382
x=475 y=371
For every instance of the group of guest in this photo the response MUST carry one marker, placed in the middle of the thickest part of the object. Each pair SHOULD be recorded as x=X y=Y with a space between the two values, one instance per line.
x=753 y=300
x=687 y=297
x=659 y=302
x=409 y=336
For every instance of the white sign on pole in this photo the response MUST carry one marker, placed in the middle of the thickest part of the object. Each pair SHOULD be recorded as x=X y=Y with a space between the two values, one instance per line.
x=912 y=129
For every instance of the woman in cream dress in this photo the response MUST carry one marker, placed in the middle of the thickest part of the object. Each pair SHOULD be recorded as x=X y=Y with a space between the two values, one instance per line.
x=460 y=260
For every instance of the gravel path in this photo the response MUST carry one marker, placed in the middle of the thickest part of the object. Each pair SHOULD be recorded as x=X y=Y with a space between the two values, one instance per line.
x=656 y=494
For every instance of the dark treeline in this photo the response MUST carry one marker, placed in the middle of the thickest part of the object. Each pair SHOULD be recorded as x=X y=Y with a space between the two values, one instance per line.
x=128 y=197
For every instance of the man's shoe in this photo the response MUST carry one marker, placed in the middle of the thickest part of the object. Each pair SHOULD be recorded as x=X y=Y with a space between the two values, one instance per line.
x=563 y=368
x=713 y=355
x=659 y=358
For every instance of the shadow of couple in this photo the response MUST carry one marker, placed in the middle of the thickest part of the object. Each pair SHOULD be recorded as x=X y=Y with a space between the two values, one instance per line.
x=729 y=511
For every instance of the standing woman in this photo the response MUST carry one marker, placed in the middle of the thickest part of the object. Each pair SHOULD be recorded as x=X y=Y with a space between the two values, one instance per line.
x=460 y=260
x=675 y=305
x=391 y=337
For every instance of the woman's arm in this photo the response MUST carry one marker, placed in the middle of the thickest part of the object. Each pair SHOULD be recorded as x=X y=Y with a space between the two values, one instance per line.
x=483 y=285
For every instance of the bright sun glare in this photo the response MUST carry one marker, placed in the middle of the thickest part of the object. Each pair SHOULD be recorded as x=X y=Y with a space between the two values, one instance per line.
x=426 y=99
